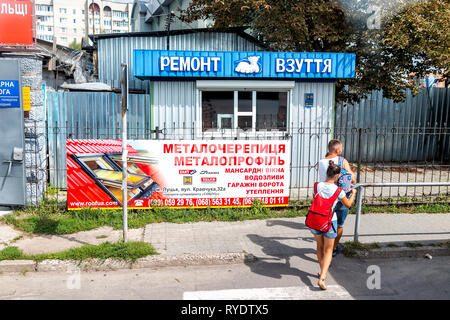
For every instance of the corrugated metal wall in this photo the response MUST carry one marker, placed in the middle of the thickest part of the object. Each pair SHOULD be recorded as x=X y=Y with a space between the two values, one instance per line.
x=98 y=116
x=113 y=51
x=311 y=129
x=174 y=108
x=393 y=131
x=90 y=115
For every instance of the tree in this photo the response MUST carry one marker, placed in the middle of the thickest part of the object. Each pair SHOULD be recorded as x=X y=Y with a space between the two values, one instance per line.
x=75 y=45
x=417 y=40
x=288 y=25
x=382 y=34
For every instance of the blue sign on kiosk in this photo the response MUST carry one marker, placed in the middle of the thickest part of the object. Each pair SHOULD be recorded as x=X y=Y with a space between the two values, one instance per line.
x=242 y=64
x=9 y=94
x=309 y=100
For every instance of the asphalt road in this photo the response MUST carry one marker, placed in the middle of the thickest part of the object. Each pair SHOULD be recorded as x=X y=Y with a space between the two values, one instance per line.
x=274 y=278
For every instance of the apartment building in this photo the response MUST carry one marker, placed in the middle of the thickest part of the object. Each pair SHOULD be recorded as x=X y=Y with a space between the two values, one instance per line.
x=71 y=20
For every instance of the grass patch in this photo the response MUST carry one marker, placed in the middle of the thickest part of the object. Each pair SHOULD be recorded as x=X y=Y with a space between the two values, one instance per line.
x=392 y=245
x=412 y=244
x=52 y=218
x=129 y=251
x=349 y=248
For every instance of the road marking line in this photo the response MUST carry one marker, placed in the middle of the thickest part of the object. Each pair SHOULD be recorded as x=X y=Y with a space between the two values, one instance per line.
x=283 y=293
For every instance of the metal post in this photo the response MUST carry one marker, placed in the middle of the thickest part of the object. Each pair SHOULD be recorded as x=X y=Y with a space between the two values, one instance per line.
x=124 y=87
x=358 y=175
x=359 y=197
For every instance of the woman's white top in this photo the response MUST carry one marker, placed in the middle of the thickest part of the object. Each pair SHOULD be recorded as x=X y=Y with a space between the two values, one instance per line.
x=323 y=167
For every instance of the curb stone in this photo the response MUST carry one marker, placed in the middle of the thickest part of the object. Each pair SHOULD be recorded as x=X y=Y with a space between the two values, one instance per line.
x=17 y=266
x=92 y=265
x=402 y=252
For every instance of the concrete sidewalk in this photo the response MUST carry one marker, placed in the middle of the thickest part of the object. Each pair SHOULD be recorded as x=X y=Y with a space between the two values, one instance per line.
x=290 y=236
x=262 y=238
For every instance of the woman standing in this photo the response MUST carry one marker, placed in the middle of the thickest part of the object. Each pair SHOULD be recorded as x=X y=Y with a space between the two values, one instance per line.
x=325 y=240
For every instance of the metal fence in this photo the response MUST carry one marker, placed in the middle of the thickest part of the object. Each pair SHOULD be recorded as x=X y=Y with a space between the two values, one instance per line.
x=303 y=160
x=389 y=123
x=383 y=141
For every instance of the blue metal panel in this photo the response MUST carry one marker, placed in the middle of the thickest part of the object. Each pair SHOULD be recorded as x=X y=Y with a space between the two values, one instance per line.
x=226 y=64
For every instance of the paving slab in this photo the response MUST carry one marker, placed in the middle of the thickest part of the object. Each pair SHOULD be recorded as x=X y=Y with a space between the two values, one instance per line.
x=290 y=236
x=8 y=234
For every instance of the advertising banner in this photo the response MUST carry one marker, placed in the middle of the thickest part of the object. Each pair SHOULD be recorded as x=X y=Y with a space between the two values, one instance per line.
x=178 y=173
x=16 y=22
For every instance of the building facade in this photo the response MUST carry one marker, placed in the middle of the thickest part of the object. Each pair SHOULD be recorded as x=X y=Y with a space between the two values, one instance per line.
x=70 y=21
x=153 y=15
x=237 y=104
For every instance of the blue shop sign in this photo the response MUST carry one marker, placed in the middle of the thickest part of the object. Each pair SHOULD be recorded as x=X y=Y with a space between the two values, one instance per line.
x=241 y=64
x=9 y=94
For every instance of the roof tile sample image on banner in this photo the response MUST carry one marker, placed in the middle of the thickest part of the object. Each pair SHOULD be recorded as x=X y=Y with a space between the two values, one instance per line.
x=173 y=173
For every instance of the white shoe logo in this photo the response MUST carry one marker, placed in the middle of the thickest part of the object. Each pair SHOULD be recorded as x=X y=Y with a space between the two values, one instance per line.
x=248 y=65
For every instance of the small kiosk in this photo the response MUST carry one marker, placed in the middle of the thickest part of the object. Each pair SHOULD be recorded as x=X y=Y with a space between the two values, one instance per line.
x=225 y=85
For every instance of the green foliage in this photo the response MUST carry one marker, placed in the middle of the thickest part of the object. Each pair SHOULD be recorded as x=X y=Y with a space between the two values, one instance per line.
x=75 y=45
x=128 y=251
x=413 y=244
x=350 y=248
x=417 y=38
x=52 y=217
x=48 y=220
x=11 y=253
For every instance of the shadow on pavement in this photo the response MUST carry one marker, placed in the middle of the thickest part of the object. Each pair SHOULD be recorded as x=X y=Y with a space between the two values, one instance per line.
x=399 y=277
x=282 y=253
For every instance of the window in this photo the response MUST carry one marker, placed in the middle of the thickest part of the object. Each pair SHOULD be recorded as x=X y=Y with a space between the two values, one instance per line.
x=43 y=19
x=64 y=30
x=74 y=30
x=63 y=10
x=271 y=110
x=44 y=8
x=62 y=20
x=217 y=109
x=107 y=11
x=248 y=111
x=74 y=20
x=74 y=11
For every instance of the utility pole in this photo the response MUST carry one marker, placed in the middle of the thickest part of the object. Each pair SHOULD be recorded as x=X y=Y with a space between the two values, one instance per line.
x=124 y=88
x=168 y=22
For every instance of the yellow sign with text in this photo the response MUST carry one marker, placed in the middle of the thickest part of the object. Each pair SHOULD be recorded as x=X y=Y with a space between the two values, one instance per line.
x=26 y=97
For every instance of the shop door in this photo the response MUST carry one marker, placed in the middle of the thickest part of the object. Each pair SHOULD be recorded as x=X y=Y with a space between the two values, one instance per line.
x=12 y=171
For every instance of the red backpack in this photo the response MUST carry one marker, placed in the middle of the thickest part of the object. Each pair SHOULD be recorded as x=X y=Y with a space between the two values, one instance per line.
x=320 y=213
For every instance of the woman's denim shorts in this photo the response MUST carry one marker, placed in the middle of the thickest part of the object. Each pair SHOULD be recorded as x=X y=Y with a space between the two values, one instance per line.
x=331 y=234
